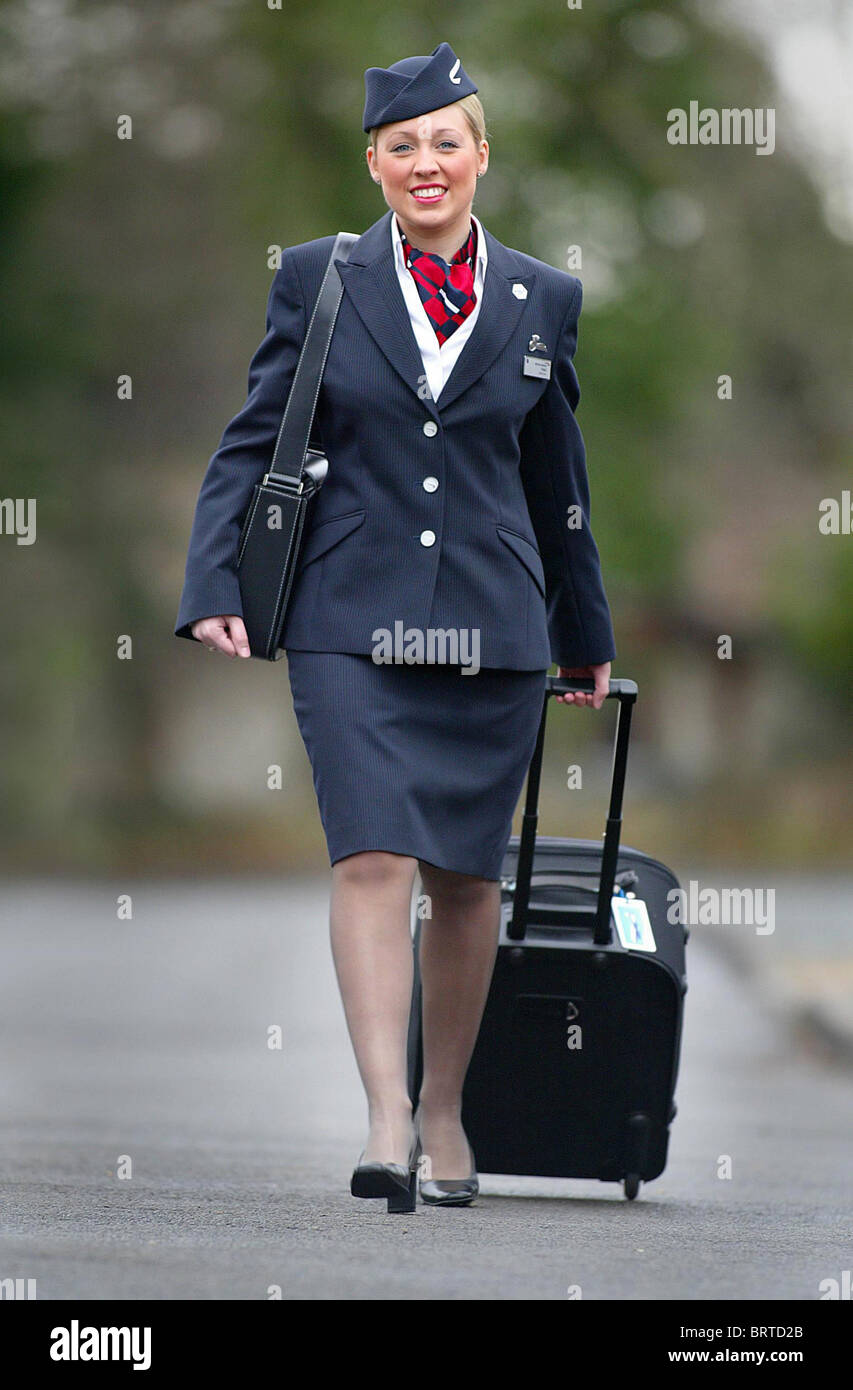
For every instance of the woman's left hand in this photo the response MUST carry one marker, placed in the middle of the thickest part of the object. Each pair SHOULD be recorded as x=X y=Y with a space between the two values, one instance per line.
x=601 y=676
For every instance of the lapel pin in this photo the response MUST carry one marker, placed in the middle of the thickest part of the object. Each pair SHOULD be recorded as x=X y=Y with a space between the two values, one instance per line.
x=536 y=344
x=520 y=291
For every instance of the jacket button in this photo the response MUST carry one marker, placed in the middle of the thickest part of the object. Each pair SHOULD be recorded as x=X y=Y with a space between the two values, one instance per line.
x=427 y=538
x=430 y=428
x=430 y=484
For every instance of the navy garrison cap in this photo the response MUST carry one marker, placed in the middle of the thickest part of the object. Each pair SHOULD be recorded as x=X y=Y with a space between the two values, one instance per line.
x=414 y=86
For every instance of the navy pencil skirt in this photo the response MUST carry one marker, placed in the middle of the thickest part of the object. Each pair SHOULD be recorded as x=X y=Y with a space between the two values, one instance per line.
x=416 y=759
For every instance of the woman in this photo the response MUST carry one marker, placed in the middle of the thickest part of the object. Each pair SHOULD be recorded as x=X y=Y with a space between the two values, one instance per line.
x=448 y=561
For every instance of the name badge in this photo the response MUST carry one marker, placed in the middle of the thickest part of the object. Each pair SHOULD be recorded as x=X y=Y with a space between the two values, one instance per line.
x=537 y=366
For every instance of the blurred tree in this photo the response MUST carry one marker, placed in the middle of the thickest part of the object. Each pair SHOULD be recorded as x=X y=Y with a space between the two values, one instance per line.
x=149 y=257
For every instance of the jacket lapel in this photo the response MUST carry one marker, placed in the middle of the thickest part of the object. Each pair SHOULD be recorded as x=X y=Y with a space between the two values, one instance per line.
x=370 y=279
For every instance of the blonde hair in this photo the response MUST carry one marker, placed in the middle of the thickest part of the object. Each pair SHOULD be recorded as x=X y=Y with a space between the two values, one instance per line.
x=472 y=109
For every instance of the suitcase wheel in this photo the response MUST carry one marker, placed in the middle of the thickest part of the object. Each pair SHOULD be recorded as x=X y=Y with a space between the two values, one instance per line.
x=632 y=1185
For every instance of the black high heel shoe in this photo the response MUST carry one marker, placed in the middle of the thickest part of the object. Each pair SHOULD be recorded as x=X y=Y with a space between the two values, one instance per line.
x=391 y=1180
x=449 y=1192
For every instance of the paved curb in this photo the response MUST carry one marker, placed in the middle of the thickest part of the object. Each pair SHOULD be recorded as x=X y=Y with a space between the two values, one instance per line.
x=811 y=1022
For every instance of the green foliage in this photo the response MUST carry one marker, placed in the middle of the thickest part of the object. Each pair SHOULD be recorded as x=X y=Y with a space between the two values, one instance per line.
x=149 y=257
x=812 y=602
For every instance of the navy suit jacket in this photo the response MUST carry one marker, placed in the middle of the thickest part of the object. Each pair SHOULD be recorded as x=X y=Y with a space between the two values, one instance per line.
x=505 y=449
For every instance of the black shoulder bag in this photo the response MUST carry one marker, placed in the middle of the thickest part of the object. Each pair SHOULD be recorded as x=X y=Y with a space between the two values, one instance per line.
x=271 y=537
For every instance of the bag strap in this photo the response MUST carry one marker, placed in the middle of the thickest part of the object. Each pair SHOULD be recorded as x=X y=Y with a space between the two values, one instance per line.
x=291 y=446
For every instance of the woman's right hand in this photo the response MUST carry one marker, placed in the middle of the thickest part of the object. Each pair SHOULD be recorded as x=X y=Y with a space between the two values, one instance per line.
x=225 y=634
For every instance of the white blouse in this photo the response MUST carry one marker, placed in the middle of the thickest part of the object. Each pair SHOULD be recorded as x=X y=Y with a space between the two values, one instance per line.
x=438 y=361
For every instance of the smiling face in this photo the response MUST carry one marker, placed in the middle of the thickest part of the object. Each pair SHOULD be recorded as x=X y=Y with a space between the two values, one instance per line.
x=428 y=169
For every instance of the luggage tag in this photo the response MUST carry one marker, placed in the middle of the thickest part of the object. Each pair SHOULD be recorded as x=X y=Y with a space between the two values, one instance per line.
x=537 y=366
x=632 y=923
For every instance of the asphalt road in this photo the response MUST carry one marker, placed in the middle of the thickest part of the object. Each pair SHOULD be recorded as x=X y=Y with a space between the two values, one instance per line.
x=147 y=1038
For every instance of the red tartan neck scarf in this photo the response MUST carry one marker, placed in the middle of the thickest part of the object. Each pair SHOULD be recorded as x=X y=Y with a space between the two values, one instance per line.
x=446 y=290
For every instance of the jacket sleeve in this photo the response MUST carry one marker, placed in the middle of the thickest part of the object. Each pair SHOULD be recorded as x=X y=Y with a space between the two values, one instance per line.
x=211 y=587
x=553 y=472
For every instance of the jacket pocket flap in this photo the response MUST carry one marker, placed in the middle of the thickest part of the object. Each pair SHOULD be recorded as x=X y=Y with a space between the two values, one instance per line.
x=527 y=554
x=327 y=534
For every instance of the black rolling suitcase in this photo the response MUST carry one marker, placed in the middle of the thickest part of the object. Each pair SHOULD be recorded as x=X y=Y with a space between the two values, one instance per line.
x=574 y=1070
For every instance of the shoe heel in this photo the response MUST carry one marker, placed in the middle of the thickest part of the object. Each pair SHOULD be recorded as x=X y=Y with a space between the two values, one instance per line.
x=404 y=1203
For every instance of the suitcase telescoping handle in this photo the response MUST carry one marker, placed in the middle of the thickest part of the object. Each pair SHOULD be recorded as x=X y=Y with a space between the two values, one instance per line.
x=625 y=692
